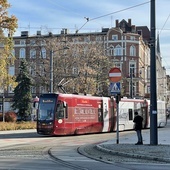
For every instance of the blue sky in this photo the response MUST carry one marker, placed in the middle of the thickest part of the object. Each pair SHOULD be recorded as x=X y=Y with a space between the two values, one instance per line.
x=53 y=15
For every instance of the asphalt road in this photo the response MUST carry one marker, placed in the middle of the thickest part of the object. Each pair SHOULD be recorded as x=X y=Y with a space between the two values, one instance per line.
x=26 y=150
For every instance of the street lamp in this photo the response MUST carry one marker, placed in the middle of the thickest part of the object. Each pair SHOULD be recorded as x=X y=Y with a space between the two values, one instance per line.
x=51 y=71
x=52 y=67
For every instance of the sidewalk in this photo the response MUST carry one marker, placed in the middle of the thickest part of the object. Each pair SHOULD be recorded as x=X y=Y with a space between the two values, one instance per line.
x=128 y=149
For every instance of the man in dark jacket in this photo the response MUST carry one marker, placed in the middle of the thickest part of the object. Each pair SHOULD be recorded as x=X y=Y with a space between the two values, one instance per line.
x=138 y=128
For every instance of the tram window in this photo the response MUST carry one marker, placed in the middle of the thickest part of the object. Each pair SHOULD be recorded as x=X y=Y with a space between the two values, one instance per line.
x=100 y=117
x=60 y=111
x=66 y=110
x=130 y=114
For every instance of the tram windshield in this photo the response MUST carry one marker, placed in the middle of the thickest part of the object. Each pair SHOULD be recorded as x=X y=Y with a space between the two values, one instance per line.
x=46 y=108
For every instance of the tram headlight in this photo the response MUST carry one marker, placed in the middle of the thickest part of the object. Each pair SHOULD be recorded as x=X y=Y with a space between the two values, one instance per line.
x=60 y=121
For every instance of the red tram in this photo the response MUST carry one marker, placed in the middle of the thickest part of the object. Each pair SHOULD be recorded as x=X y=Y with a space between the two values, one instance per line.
x=68 y=114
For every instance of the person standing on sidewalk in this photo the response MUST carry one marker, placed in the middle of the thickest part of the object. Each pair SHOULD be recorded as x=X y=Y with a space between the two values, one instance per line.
x=138 y=128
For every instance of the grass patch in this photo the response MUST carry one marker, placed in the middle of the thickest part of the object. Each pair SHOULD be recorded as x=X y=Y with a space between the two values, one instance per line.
x=17 y=125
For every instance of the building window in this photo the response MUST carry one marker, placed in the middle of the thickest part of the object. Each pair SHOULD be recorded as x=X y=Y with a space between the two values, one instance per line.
x=43 y=53
x=75 y=70
x=22 y=53
x=42 y=70
x=12 y=70
x=22 y=42
x=10 y=89
x=75 y=40
x=32 y=42
x=98 y=38
x=111 y=51
x=132 y=89
x=32 y=53
x=132 y=51
x=33 y=89
x=118 y=50
x=42 y=89
x=33 y=70
x=86 y=39
x=12 y=53
x=114 y=37
x=85 y=50
x=148 y=72
x=132 y=38
x=132 y=69
x=118 y=64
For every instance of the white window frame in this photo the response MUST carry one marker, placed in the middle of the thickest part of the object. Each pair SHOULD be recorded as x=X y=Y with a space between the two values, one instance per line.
x=132 y=50
x=132 y=38
x=42 y=70
x=22 y=42
x=114 y=37
x=32 y=53
x=33 y=70
x=11 y=70
x=118 y=64
x=132 y=68
x=98 y=38
x=75 y=71
x=111 y=51
x=118 y=50
x=22 y=53
x=32 y=42
x=43 y=53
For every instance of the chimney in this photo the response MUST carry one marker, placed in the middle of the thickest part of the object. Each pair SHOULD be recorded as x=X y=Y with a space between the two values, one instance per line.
x=129 y=22
x=38 y=32
x=117 y=23
x=24 y=33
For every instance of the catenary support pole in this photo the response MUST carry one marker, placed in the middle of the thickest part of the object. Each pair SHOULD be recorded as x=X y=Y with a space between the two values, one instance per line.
x=51 y=71
x=117 y=132
x=153 y=84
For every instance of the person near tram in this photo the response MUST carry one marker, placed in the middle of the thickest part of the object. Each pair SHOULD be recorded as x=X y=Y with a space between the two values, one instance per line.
x=138 y=127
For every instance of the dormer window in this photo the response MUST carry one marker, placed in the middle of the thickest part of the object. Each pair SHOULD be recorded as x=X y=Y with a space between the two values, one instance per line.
x=114 y=37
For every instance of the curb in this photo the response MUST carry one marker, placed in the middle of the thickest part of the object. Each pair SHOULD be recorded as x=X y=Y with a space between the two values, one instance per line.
x=153 y=158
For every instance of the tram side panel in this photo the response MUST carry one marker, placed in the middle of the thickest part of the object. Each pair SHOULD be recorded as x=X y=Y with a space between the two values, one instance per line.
x=161 y=114
x=127 y=108
x=87 y=114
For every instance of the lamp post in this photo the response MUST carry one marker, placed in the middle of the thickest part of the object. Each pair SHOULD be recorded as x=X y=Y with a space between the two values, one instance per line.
x=52 y=68
x=153 y=92
x=51 y=71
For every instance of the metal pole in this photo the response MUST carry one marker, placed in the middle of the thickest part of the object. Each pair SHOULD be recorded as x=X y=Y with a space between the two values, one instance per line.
x=117 y=119
x=131 y=84
x=3 y=108
x=51 y=71
x=153 y=87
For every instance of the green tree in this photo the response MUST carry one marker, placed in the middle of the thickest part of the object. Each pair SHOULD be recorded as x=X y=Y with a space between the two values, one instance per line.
x=22 y=92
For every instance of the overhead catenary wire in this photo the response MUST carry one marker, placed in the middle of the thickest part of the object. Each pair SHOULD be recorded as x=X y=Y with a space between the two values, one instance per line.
x=125 y=9
x=111 y=14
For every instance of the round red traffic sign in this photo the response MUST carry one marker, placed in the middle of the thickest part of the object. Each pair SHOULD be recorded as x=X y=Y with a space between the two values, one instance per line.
x=115 y=74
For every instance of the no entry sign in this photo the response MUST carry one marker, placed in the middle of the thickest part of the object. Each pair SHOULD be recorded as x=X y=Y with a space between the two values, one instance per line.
x=115 y=74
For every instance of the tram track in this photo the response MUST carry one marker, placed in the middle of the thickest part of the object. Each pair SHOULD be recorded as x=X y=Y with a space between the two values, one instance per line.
x=47 y=153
